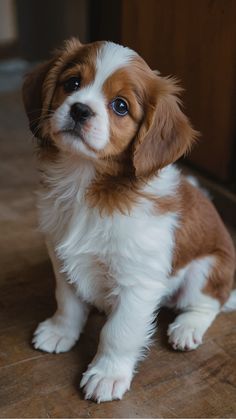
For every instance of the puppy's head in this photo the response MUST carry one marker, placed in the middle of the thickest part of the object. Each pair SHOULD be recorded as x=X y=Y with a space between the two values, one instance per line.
x=102 y=101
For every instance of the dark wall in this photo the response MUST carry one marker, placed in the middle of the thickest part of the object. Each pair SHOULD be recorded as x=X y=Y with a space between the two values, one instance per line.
x=43 y=25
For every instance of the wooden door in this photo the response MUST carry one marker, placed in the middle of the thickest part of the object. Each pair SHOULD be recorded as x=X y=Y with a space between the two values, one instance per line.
x=195 y=41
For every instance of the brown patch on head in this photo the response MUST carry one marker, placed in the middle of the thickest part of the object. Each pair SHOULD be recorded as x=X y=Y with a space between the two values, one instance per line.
x=202 y=233
x=125 y=84
x=43 y=87
x=82 y=64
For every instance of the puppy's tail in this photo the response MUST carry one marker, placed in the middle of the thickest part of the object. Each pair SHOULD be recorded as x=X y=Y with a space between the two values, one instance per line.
x=230 y=304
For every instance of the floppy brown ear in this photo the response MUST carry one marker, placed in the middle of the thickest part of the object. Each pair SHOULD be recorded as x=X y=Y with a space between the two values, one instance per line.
x=165 y=134
x=34 y=88
x=33 y=95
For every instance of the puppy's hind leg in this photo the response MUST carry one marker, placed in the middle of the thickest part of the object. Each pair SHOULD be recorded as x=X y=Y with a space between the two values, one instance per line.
x=199 y=298
x=60 y=332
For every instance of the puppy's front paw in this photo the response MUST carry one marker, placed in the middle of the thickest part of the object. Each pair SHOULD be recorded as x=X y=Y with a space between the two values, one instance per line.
x=106 y=380
x=184 y=335
x=53 y=335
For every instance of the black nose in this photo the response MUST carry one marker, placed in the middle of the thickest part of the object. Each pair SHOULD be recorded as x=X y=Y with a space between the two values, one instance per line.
x=80 y=112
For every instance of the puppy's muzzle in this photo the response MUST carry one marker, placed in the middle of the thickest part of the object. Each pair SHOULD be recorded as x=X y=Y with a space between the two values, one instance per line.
x=80 y=112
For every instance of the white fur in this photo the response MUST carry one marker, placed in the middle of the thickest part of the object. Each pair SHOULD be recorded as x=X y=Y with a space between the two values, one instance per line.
x=122 y=265
x=95 y=134
x=199 y=310
x=165 y=184
x=59 y=333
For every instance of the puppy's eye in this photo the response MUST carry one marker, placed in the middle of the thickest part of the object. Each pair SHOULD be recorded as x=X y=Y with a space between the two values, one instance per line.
x=119 y=106
x=71 y=84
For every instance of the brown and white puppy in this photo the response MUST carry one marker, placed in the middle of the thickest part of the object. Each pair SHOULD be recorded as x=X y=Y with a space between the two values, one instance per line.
x=126 y=232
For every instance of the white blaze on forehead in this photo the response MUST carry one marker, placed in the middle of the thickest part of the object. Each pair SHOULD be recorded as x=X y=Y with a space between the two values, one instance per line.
x=111 y=57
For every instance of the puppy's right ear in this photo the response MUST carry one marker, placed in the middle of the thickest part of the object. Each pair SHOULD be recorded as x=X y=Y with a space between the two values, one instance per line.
x=33 y=95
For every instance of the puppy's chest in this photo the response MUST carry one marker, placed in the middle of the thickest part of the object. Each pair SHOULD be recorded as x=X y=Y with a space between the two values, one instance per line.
x=102 y=253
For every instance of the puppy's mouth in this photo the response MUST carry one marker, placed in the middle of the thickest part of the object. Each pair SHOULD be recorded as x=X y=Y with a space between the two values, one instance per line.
x=74 y=132
x=77 y=134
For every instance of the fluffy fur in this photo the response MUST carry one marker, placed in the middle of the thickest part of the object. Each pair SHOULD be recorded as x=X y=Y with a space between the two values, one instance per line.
x=125 y=231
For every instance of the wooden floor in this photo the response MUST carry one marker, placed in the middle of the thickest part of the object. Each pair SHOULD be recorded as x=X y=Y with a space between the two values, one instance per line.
x=34 y=384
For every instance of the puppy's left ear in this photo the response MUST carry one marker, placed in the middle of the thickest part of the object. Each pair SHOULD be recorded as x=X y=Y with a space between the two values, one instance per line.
x=32 y=93
x=166 y=133
x=40 y=83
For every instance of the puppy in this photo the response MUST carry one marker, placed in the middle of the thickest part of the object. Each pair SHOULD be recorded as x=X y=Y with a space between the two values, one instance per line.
x=125 y=231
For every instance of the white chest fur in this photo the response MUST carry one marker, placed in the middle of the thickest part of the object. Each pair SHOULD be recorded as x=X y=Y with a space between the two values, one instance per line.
x=101 y=254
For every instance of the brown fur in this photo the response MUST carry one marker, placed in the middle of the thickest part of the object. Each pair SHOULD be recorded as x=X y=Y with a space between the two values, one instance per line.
x=108 y=193
x=81 y=63
x=42 y=89
x=33 y=96
x=166 y=133
x=123 y=129
x=202 y=233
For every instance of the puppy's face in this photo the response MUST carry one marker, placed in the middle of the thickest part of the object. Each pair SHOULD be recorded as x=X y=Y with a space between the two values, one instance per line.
x=96 y=108
x=102 y=100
